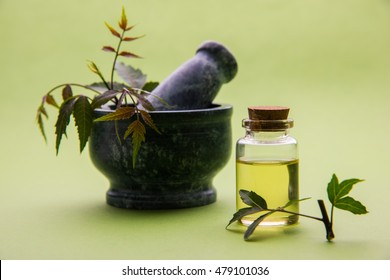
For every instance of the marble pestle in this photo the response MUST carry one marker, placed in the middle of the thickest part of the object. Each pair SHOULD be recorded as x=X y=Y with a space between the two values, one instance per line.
x=195 y=84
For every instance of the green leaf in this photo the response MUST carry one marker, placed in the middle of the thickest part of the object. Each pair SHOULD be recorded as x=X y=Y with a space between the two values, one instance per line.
x=148 y=120
x=82 y=113
x=332 y=188
x=243 y=212
x=103 y=98
x=338 y=190
x=137 y=130
x=41 y=111
x=67 y=92
x=253 y=226
x=351 y=205
x=150 y=86
x=346 y=186
x=133 y=77
x=41 y=126
x=93 y=67
x=253 y=199
x=63 y=120
x=122 y=113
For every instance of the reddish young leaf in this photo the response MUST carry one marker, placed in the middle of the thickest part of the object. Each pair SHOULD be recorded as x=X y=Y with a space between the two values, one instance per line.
x=148 y=120
x=144 y=102
x=123 y=21
x=103 y=98
x=132 y=38
x=133 y=77
x=50 y=100
x=129 y=54
x=121 y=113
x=67 y=92
x=113 y=31
x=108 y=49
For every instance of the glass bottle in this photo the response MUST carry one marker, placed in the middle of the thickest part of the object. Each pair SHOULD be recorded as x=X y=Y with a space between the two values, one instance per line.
x=267 y=163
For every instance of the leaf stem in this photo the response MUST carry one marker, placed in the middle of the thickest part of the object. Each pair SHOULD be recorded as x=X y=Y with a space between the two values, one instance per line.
x=75 y=85
x=325 y=218
x=328 y=225
x=331 y=215
x=116 y=57
x=295 y=213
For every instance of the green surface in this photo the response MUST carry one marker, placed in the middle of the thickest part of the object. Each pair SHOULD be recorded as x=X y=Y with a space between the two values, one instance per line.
x=328 y=60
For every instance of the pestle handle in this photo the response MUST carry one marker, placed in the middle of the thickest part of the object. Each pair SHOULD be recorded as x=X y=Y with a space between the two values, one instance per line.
x=195 y=84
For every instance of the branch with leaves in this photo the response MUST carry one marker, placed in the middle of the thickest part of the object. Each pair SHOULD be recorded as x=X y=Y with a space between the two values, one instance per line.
x=337 y=195
x=124 y=96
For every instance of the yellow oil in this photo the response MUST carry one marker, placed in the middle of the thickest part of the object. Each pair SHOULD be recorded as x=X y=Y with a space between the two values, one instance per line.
x=276 y=181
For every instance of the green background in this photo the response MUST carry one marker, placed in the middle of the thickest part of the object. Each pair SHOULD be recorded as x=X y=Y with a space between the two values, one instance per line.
x=329 y=60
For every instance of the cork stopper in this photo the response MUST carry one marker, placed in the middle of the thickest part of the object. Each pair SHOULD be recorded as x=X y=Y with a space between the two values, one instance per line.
x=268 y=118
x=268 y=112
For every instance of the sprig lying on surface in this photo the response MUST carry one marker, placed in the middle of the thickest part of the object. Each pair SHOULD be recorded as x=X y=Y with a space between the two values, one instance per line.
x=337 y=195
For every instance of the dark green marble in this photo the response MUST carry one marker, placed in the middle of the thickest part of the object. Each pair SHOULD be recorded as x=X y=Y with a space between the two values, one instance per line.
x=174 y=169
x=195 y=83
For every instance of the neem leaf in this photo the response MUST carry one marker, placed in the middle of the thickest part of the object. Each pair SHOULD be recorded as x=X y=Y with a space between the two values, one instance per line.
x=93 y=67
x=82 y=113
x=101 y=87
x=130 y=27
x=338 y=190
x=332 y=188
x=253 y=199
x=123 y=21
x=253 y=226
x=108 y=49
x=63 y=120
x=150 y=86
x=351 y=205
x=128 y=39
x=346 y=186
x=133 y=77
x=294 y=201
x=41 y=111
x=148 y=120
x=129 y=54
x=103 y=98
x=67 y=92
x=244 y=212
x=144 y=102
x=137 y=130
x=49 y=99
x=122 y=113
x=113 y=31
